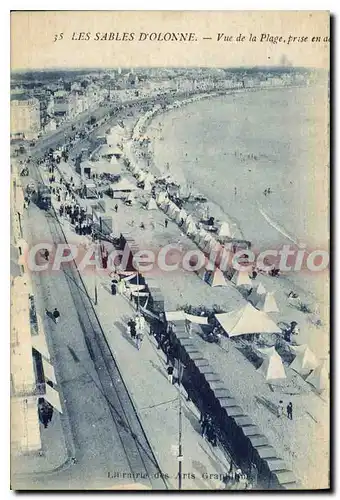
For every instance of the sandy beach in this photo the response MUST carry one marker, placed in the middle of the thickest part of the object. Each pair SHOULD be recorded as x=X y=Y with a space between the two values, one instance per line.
x=232 y=148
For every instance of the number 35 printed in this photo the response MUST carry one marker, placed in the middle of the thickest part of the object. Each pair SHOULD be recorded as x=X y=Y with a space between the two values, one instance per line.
x=58 y=36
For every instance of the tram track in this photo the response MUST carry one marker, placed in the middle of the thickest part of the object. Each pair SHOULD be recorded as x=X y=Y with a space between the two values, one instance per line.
x=133 y=440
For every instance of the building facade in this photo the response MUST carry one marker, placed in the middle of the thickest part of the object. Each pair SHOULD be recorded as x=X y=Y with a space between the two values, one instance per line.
x=25 y=117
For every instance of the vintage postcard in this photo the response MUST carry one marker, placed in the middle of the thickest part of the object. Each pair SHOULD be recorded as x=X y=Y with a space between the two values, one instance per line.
x=170 y=250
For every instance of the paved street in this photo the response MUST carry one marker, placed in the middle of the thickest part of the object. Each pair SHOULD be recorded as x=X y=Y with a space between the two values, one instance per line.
x=105 y=440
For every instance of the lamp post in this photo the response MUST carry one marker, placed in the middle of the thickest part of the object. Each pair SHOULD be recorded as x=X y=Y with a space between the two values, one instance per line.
x=180 y=368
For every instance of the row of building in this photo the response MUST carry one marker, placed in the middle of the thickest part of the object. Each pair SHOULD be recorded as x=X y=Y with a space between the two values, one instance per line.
x=45 y=108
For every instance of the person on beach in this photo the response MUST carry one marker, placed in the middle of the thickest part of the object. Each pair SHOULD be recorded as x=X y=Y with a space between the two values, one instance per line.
x=166 y=222
x=132 y=326
x=280 y=409
x=56 y=315
x=139 y=339
x=235 y=191
x=265 y=192
x=290 y=411
x=294 y=328
x=116 y=208
x=46 y=254
x=170 y=372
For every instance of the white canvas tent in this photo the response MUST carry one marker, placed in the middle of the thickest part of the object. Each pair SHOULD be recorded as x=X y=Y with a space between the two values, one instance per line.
x=149 y=178
x=224 y=230
x=190 y=228
x=173 y=210
x=162 y=196
x=267 y=303
x=256 y=293
x=181 y=215
x=130 y=198
x=123 y=185
x=147 y=186
x=114 y=161
x=272 y=367
x=304 y=361
x=241 y=278
x=318 y=378
x=152 y=205
x=141 y=175
x=246 y=320
x=217 y=278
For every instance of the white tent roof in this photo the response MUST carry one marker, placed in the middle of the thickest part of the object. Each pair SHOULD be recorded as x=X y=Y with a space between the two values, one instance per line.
x=152 y=205
x=149 y=178
x=147 y=186
x=141 y=175
x=224 y=229
x=246 y=320
x=123 y=185
x=165 y=205
x=175 y=315
x=162 y=196
x=190 y=228
x=267 y=303
x=173 y=210
x=256 y=293
x=318 y=378
x=305 y=360
x=114 y=161
x=218 y=278
x=181 y=215
x=272 y=367
x=241 y=278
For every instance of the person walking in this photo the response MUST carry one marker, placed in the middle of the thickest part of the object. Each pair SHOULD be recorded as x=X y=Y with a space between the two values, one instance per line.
x=116 y=208
x=170 y=371
x=139 y=339
x=280 y=409
x=132 y=326
x=166 y=223
x=43 y=412
x=56 y=315
x=113 y=287
x=290 y=410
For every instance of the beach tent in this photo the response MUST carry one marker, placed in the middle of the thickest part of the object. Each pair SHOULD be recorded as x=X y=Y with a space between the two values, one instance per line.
x=246 y=320
x=189 y=220
x=173 y=210
x=165 y=205
x=123 y=185
x=216 y=278
x=190 y=228
x=267 y=303
x=181 y=215
x=207 y=244
x=114 y=160
x=152 y=205
x=147 y=186
x=305 y=360
x=256 y=294
x=224 y=229
x=272 y=367
x=162 y=196
x=318 y=378
x=241 y=278
x=149 y=178
x=130 y=198
x=141 y=175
